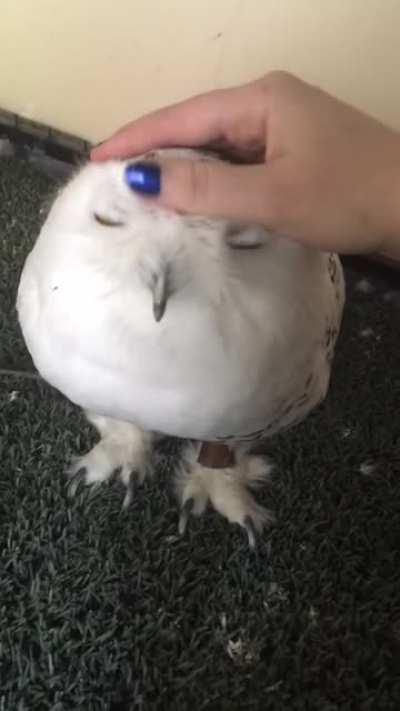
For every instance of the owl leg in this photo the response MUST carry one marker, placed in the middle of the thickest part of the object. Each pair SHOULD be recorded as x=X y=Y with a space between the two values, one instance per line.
x=223 y=478
x=122 y=447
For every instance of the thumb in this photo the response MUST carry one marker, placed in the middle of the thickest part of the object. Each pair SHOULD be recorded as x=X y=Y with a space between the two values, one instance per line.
x=218 y=189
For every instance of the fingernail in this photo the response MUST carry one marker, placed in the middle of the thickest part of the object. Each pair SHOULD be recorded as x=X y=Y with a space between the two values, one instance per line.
x=144 y=177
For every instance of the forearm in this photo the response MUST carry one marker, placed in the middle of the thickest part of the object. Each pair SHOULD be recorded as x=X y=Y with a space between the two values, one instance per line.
x=385 y=200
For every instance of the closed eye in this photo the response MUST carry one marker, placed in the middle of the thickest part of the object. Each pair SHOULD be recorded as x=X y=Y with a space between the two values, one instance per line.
x=106 y=222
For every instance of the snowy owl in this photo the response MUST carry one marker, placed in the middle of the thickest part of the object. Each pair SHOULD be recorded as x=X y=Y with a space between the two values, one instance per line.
x=161 y=323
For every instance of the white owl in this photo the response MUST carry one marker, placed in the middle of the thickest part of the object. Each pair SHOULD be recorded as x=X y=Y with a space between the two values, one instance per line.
x=160 y=323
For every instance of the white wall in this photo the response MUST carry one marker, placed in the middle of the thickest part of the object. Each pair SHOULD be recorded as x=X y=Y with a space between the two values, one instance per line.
x=87 y=66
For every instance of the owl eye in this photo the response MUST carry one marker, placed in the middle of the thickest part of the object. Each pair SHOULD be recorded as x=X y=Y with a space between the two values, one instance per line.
x=105 y=221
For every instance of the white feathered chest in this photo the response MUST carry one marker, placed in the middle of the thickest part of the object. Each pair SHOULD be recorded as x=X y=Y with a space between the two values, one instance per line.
x=158 y=319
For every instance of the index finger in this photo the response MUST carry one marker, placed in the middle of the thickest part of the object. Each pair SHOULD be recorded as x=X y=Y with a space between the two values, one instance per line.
x=194 y=122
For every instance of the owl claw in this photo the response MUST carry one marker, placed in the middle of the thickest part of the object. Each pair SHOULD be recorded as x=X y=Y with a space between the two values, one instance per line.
x=130 y=490
x=123 y=451
x=76 y=478
x=250 y=529
x=186 y=511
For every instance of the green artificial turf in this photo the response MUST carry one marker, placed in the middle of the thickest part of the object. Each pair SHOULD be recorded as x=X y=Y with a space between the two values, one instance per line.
x=108 y=610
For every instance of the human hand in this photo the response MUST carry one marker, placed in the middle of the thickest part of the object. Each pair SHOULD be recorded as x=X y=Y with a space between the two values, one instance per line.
x=315 y=169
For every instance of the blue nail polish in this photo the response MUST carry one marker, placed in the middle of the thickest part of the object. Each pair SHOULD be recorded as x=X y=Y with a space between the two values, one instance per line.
x=144 y=177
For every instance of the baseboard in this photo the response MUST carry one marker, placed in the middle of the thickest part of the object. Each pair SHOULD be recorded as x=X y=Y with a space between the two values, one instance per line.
x=26 y=135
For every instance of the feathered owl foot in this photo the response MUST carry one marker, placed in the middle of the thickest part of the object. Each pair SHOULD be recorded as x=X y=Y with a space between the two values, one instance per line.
x=227 y=488
x=123 y=447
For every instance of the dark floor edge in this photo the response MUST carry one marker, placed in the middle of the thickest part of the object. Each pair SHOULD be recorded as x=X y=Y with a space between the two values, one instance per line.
x=25 y=135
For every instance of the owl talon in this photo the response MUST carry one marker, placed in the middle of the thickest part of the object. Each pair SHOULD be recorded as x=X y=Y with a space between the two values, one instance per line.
x=251 y=531
x=130 y=490
x=75 y=480
x=228 y=490
x=186 y=511
x=123 y=451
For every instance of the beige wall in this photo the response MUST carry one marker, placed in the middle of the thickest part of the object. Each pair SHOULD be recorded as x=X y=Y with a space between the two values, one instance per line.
x=87 y=66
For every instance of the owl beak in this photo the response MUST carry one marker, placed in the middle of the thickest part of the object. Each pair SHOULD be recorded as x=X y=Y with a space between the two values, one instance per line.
x=161 y=290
